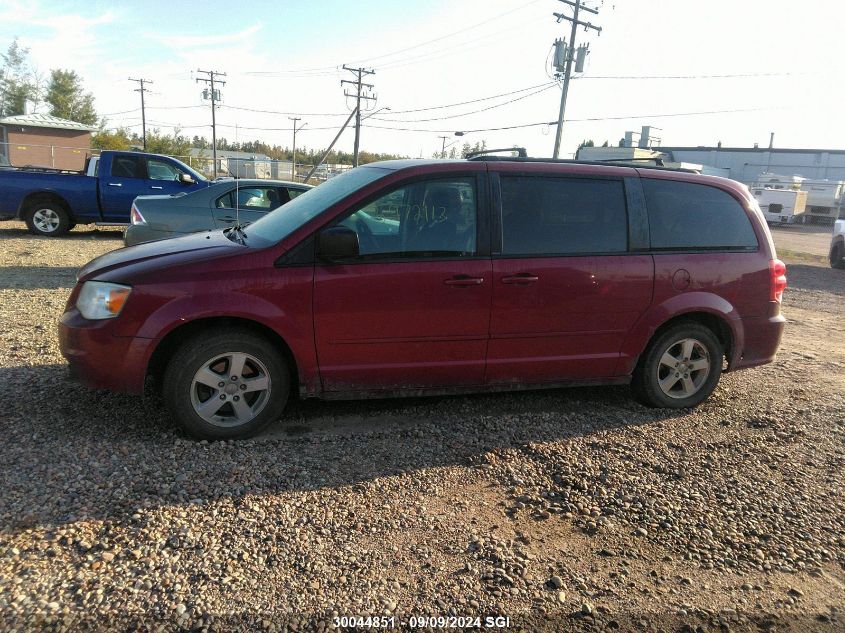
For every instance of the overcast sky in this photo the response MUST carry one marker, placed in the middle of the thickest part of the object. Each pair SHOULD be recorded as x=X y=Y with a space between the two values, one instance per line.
x=286 y=57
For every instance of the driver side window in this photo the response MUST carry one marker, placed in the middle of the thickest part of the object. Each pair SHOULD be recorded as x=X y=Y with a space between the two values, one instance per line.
x=161 y=170
x=434 y=218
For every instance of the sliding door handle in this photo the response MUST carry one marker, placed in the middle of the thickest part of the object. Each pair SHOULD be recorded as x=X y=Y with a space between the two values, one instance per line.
x=464 y=280
x=522 y=278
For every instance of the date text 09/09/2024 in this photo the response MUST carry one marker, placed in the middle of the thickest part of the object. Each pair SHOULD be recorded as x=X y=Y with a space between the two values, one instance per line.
x=422 y=622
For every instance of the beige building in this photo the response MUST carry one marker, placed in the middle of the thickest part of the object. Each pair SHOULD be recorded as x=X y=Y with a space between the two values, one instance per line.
x=45 y=141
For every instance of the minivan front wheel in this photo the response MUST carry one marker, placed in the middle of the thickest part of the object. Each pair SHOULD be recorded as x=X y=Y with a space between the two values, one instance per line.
x=680 y=368
x=226 y=385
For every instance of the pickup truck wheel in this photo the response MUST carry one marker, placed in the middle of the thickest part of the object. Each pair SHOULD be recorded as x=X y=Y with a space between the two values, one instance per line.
x=48 y=219
x=680 y=368
x=226 y=385
x=837 y=256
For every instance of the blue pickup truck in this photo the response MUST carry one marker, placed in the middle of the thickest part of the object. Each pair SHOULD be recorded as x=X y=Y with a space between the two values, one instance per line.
x=52 y=202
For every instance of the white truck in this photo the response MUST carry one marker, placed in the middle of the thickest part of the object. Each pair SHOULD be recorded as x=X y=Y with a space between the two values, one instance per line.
x=825 y=198
x=781 y=206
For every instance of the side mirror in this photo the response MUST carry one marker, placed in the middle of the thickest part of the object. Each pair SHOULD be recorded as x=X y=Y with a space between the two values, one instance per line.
x=337 y=242
x=187 y=179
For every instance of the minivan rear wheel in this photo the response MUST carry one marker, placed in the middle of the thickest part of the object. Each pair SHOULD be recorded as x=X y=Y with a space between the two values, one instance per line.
x=225 y=385
x=680 y=368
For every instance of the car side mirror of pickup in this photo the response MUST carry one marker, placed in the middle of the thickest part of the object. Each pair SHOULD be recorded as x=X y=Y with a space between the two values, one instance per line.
x=337 y=243
x=187 y=179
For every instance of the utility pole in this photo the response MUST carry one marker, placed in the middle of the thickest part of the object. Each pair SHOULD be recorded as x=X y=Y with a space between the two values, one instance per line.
x=331 y=145
x=215 y=97
x=570 y=54
x=293 y=158
x=443 y=150
x=360 y=73
x=142 y=90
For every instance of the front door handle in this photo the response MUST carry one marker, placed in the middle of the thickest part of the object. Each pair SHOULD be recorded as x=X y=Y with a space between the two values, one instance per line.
x=464 y=280
x=115 y=184
x=154 y=187
x=521 y=278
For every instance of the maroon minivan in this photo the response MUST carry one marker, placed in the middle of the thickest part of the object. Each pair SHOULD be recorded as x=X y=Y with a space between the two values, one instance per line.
x=432 y=277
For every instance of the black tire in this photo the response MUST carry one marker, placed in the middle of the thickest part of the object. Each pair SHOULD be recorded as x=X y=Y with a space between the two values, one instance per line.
x=837 y=256
x=49 y=219
x=209 y=350
x=646 y=379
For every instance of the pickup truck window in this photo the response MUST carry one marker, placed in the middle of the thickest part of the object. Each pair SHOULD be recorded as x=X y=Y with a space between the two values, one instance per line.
x=160 y=170
x=129 y=167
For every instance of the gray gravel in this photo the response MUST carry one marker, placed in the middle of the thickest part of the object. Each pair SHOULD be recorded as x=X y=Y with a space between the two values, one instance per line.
x=565 y=510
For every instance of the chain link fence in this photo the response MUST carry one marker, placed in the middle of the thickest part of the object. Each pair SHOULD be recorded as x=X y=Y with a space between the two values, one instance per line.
x=74 y=159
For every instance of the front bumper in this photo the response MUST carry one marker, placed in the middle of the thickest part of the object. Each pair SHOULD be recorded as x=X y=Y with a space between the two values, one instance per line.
x=101 y=360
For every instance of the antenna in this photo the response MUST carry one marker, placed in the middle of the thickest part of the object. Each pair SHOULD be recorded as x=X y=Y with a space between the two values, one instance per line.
x=237 y=200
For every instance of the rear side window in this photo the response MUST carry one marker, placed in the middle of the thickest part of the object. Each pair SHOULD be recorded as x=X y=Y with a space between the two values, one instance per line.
x=562 y=216
x=684 y=215
x=128 y=167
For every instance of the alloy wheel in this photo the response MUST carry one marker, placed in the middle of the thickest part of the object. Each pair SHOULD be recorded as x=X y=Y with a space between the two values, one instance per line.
x=46 y=220
x=683 y=368
x=230 y=389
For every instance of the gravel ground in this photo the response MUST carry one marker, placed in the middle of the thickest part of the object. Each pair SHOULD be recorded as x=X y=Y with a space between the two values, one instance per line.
x=564 y=510
x=810 y=239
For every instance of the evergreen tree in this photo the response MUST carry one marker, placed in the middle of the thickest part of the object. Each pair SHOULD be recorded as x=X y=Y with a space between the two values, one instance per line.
x=67 y=98
x=17 y=81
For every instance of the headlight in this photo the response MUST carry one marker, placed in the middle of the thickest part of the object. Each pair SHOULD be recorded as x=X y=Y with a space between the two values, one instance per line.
x=101 y=300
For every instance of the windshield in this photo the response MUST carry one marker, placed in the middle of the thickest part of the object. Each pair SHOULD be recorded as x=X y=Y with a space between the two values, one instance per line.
x=280 y=223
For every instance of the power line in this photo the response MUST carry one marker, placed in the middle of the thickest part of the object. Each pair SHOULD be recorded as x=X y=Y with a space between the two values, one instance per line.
x=456 y=116
x=310 y=114
x=724 y=76
x=461 y=31
x=462 y=47
x=587 y=119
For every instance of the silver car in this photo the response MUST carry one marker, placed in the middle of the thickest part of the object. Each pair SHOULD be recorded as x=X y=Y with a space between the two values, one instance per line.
x=219 y=206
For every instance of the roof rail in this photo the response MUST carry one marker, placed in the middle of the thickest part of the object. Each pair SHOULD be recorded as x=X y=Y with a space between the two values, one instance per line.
x=520 y=152
x=617 y=162
x=658 y=162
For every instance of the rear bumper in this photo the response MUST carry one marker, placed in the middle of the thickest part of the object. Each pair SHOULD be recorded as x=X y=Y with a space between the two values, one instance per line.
x=100 y=360
x=762 y=340
x=140 y=233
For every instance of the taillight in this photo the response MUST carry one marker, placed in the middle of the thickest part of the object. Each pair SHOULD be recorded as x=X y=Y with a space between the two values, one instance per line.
x=135 y=216
x=777 y=277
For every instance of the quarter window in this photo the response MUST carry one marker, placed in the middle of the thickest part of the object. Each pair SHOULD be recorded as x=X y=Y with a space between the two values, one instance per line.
x=435 y=218
x=562 y=216
x=690 y=216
